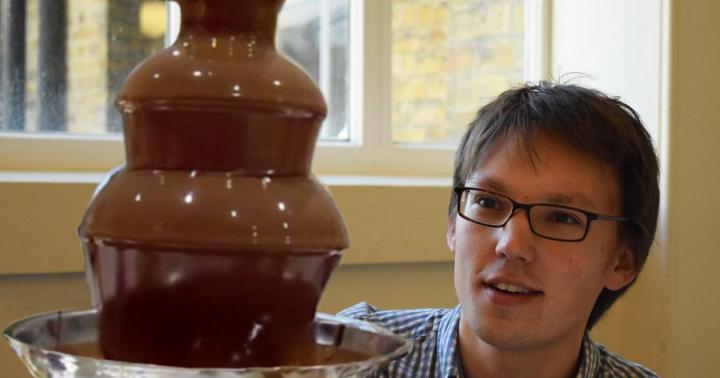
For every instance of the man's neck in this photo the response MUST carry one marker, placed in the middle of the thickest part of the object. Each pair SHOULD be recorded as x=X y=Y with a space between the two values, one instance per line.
x=479 y=359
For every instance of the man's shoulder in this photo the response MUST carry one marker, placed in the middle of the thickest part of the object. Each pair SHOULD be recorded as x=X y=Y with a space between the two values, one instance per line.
x=409 y=323
x=613 y=365
x=433 y=332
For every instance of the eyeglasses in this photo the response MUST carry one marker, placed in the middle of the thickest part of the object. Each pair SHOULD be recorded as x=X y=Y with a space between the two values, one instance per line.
x=554 y=222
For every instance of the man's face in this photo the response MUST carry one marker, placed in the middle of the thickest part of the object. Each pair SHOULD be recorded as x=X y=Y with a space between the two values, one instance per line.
x=564 y=279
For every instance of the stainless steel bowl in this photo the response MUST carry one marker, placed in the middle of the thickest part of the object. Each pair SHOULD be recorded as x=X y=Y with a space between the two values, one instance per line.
x=35 y=338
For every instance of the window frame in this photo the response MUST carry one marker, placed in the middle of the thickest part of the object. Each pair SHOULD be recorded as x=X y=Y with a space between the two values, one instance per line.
x=370 y=148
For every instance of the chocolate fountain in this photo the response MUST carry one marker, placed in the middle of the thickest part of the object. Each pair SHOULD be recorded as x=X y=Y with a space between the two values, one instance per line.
x=209 y=250
x=215 y=226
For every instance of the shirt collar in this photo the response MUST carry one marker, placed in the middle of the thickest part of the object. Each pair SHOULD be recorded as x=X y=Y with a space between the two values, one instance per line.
x=589 y=359
x=448 y=344
x=448 y=329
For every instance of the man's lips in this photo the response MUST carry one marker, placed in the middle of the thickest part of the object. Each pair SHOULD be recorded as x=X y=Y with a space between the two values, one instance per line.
x=511 y=286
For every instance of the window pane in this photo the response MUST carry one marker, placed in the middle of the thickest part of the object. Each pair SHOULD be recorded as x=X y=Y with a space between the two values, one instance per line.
x=63 y=61
x=315 y=34
x=76 y=55
x=448 y=59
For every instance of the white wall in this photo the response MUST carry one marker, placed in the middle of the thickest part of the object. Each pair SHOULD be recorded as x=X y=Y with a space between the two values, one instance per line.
x=617 y=43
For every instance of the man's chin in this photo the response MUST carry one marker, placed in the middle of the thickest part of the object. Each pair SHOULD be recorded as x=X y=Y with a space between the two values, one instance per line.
x=503 y=333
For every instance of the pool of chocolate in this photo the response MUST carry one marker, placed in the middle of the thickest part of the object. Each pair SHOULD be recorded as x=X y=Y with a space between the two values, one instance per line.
x=192 y=308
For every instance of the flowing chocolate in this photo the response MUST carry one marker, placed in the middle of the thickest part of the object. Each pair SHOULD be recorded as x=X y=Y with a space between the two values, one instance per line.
x=211 y=246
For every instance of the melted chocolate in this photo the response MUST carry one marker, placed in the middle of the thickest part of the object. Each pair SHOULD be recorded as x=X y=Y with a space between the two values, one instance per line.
x=212 y=245
x=208 y=308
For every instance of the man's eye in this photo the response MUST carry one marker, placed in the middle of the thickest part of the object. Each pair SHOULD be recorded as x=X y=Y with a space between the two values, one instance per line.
x=564 y=218
x=487 y=202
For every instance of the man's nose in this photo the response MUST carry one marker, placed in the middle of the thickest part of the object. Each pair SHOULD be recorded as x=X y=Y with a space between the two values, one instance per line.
x=516 y=240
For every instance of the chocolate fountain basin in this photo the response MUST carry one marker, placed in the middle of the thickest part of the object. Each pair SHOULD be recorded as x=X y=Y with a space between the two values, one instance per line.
x=347 y=348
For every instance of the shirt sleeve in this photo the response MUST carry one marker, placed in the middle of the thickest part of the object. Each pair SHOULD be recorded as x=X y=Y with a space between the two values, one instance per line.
x=360 y=311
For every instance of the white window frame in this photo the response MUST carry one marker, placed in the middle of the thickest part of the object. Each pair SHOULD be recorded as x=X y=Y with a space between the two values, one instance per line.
x=370 y=151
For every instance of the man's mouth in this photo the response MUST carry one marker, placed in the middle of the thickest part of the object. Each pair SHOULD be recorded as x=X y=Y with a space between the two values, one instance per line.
x=509 y=288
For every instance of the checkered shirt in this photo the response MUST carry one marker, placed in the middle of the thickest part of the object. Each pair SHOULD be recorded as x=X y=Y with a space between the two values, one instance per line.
x=435 y=349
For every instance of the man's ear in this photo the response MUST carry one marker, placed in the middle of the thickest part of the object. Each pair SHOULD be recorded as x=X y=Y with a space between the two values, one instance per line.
x=450 y=236
x=623 y=270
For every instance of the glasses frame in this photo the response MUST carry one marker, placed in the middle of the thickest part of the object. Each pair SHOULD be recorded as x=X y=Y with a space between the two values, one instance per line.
x=527 y=206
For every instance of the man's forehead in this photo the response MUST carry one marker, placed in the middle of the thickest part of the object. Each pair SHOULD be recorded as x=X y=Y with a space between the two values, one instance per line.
x=546 y=169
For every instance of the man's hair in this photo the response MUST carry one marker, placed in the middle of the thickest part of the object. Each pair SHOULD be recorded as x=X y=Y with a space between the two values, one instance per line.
x=598 y=126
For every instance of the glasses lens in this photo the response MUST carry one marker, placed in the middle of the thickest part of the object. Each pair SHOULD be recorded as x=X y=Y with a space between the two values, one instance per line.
x=484 y=207
x=558 y=222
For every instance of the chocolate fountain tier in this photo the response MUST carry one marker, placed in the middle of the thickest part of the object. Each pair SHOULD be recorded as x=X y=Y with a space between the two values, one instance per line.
x=222 y=98
x=215 y=210
x=63 y=344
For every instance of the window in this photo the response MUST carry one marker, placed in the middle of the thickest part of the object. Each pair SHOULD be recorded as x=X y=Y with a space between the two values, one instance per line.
x=99 y=43
x=390 y=71
x=315 y=34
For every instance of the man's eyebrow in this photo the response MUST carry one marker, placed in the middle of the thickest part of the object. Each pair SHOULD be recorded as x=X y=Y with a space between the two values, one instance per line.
x=574 y=199
x=487 y=183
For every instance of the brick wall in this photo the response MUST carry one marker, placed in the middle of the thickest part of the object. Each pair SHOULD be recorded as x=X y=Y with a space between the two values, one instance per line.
x=32 y=30
x=87 y=65
x=449 y=58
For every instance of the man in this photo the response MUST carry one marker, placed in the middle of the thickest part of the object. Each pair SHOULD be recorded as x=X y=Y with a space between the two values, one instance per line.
x=551 y=217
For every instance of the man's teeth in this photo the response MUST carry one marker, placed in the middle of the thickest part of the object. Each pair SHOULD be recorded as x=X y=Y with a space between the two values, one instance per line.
x=511 y=288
